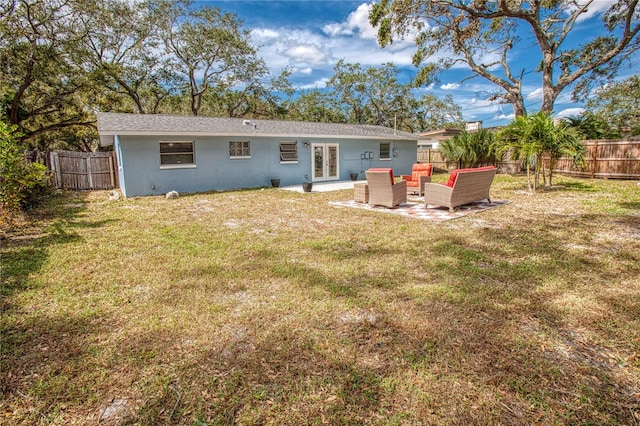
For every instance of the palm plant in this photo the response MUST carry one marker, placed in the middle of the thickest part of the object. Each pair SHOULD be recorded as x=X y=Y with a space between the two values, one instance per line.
x=591 y=126
x=467 y=149
x=530 y=138
x=564 y=141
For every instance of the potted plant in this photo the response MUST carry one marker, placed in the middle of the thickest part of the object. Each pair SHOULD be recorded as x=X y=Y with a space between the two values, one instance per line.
x=275 y=182
x=306 y=186
x=354 y=176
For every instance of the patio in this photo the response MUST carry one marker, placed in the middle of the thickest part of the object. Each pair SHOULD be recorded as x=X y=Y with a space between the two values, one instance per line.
x=325 y=186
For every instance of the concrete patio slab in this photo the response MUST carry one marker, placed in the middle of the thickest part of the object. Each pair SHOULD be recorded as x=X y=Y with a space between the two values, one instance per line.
x=325 y=186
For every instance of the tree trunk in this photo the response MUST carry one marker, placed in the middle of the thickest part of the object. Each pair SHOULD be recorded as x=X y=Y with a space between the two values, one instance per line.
x=549 y=92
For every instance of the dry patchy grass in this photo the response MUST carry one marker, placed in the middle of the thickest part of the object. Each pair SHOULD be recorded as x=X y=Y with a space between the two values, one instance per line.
x=271 y=307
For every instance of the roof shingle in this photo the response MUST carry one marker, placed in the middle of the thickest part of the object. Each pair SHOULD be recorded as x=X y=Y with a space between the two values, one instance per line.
x=110 y=124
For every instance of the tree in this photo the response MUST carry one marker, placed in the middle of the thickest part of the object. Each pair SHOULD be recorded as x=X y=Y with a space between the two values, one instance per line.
x=261 y=97
x=349 y=90
x=530 y=138
x=208 y=49
x=482 y=34
x=435 y=113
x=315 y=106
x=122 y=51
x=618 y=104
x=41 y=88
x=373 y=95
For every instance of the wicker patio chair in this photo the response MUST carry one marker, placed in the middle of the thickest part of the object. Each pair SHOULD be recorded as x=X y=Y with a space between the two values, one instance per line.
x=383 y=191
x=420 y=174
x=464 y=186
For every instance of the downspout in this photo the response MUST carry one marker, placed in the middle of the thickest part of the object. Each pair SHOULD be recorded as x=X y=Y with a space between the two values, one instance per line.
x=117 y=148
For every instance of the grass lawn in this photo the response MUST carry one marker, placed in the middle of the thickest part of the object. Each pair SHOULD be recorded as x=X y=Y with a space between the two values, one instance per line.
x=273 y=307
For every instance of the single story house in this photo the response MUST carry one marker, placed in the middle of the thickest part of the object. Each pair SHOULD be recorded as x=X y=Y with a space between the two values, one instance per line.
x=160 y=153
x=432 y=139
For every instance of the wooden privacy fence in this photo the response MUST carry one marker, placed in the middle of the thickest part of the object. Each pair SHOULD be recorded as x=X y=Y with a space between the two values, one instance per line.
x=84 y=170
x=433 y=156
x=608 y=159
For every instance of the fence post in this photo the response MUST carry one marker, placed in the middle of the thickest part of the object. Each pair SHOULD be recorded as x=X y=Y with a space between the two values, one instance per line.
x=594 y=159
x=112 y=171
x=55 y=168
x=89 y=177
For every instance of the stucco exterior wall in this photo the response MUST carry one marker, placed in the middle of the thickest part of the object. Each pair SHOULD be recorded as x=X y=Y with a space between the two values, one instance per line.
x=141 y=174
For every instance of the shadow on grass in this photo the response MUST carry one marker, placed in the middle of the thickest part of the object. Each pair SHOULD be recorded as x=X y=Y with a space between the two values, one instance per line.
x=49 y=363
x=573 y=362
x=634 y=205
x=495 y=347
x=573 y=186
x=37 y=348
x=24 y=255
x=471 y=336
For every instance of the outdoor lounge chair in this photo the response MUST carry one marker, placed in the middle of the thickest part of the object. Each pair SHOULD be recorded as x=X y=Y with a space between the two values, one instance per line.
x=382 y=189
x=420 y=174
x=463 y=187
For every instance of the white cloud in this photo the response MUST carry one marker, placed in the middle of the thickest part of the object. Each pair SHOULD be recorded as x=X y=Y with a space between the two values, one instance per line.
x=570 y=112
x=507 y=117
x=357 y=23
x=594 y=7
x=313 y=52
x=536 y=94
x=306 y=53
x=264 y=33
x=450 y=86
x=320 y=83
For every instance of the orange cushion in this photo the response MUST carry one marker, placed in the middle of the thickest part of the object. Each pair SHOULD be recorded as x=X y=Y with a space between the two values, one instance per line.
x=383 y=169
x=454 y=173
x=420 y=169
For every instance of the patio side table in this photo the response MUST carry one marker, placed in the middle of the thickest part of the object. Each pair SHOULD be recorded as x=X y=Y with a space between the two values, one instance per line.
x=361 y=192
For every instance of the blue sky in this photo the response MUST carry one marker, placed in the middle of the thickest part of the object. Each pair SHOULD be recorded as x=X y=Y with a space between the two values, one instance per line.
x=311 y=36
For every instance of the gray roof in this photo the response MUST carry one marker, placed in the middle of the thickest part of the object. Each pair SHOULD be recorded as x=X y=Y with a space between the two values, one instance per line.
x=110 y=124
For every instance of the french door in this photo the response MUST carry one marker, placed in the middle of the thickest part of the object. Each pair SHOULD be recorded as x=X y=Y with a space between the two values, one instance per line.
x=325 y=161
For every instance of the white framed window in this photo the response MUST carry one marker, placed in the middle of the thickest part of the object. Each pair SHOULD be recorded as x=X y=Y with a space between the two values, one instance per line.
x=288 y=152
x=239 y=149
x=385 y=150
x=176 y=154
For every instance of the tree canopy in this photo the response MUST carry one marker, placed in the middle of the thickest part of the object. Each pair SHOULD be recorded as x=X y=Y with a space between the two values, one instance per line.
x=374 y=95
x=618 y=105
x=63 y=60
x=484 y=34
x=43 y=91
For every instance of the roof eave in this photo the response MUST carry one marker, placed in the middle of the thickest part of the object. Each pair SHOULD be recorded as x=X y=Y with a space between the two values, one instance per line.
x=108 y=135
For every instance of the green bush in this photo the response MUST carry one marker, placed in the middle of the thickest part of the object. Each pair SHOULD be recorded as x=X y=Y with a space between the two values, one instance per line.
x=22 y=185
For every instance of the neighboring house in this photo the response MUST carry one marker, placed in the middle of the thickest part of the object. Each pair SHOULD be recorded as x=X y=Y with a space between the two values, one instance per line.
x=160 y=153
x=432 y=139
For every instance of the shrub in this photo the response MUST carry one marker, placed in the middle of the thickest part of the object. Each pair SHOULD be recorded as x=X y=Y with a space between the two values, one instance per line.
x=22 y=185
x=468 y=148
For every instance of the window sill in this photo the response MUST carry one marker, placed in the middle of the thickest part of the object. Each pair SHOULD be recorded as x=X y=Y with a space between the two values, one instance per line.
x=239 y=158
x=288 y=162
x=177 y=166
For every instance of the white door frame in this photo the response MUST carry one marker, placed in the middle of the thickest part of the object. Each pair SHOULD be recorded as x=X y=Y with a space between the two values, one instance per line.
x=329 y=168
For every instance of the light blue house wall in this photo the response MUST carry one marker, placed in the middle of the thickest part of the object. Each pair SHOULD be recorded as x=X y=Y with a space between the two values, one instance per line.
x=141 y=174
